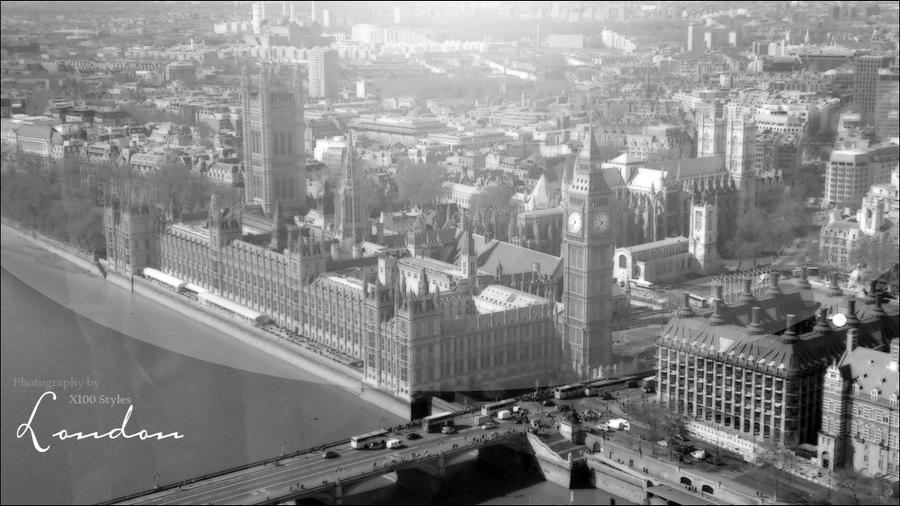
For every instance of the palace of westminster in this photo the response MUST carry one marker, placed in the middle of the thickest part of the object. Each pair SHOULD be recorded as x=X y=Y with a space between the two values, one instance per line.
x=440 y=308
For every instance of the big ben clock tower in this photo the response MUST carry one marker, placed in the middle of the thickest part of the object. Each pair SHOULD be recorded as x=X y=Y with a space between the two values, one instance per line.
x=587 y=251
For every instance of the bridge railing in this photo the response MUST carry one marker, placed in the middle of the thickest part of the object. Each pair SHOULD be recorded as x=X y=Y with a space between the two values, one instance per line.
x=216 y=474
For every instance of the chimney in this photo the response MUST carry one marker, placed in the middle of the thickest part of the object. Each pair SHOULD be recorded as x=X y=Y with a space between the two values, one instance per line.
x=335 y=251
x=822 y=322
x=879 y=310
x=747 y=295
x=685 y=310
x=720 y=293
x=716 y=318
x=774 y=290
x=895 y=354
x=790 y=331
x=871 y=294
x=852 y=339
x=804 y=279
x=833 y=289
x=852 y=320
x=756 y=327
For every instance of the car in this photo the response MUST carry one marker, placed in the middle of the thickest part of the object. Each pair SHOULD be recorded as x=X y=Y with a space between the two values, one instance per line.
x=448 y=430
x=375 y=445
x=606 y=396
x=489 y=425
x=330 y=454
x=633 y=384
x=663 y=443
x=413 y=435
x=548 y=404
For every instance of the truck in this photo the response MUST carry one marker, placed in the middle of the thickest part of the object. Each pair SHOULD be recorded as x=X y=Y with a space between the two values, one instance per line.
x=479 y=420
x=504 y=415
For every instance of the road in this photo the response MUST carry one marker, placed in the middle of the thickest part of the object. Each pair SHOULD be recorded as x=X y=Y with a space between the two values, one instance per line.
x=311 y=470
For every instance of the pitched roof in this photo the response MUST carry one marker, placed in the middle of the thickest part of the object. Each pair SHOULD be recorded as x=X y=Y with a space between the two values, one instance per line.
x=871 y=370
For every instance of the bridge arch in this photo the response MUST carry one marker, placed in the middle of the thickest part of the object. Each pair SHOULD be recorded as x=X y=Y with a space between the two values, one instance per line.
x=686 y=481
x=314 y=499
x=707 y=489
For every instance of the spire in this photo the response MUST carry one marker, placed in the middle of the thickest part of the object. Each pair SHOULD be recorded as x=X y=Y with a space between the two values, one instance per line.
x=279 y=230
x=590 y=151
x=423 y=282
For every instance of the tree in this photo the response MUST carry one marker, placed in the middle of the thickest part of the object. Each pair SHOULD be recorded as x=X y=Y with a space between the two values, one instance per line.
x=663 y=424
x=497 y=197
x=877 y=254
x=775 y=456
x=865 y=489
x=750 y=235
x=419 y=184
x=785 y=222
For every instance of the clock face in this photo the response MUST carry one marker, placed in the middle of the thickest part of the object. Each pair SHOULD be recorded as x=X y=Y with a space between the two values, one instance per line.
x=601 y=222
x=575 y=222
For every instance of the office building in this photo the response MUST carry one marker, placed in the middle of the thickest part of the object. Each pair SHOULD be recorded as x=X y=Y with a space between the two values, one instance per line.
x=853 y=167
x=323 y=73
x=754 y=369
x=866 y=83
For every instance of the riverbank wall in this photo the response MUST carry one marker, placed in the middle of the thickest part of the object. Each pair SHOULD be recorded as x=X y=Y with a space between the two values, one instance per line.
x=329 y=371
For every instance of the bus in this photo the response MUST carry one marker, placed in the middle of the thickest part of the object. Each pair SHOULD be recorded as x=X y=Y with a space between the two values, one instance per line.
x=648 y=384
x=359 y=442
x=491 y=408
x=433 y=423
x=569 y=391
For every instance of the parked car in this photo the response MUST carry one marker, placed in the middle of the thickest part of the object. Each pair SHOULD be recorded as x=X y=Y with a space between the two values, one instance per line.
x=548 y=404
x=489 y=425
x=376 y=445
x=330 y=455
x=448 y=430
x=413 y=435
x=606 y=396
x=633 y=384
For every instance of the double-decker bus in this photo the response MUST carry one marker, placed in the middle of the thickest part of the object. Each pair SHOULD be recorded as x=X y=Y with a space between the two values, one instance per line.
x=433 y=423
x=492 y=408
x=359 y=442
x=569 y=391
x=648 y=384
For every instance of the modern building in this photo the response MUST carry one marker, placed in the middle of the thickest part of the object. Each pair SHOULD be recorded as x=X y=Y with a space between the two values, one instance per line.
x=324 y=80
x=696 y=42
x=392 y=130
x=274 y=155
x=855 y=166
x=183 y=71
x=887 y=104
x=866 y=84
x=754 y=369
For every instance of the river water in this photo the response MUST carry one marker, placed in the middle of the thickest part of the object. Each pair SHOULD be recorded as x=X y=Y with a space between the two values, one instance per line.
x=232 y=404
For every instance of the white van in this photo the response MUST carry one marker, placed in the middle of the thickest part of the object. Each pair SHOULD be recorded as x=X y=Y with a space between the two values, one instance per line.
x=394 y=443
x=504 y=415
